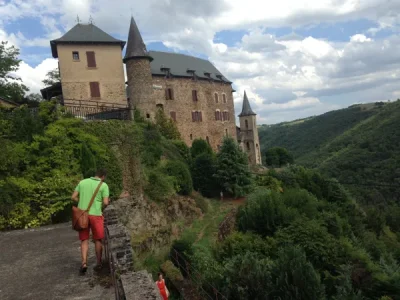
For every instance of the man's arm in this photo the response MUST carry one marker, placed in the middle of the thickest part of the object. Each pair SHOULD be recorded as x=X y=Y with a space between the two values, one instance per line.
x=106 y=195
x=74 y=196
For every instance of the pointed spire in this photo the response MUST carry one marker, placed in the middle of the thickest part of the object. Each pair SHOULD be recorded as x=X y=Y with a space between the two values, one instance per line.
x=246 y=109
x=136 y=47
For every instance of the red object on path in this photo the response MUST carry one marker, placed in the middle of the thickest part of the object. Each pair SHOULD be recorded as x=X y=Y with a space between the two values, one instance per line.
x=161 y=287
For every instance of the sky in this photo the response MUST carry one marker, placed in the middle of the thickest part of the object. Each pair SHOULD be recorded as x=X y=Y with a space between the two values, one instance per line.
x=294 y=58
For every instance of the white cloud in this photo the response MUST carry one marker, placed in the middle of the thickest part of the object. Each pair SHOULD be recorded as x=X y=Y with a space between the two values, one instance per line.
x=285 y=77
x=32 y=77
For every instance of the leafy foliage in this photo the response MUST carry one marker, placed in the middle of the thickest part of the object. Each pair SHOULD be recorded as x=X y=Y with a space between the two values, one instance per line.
x=200 y=146
x=52 y=77
x=233 y=173
x=203 y=169
x=10 y=86
x=181 y=172
x=167 y=127
x=277 y=157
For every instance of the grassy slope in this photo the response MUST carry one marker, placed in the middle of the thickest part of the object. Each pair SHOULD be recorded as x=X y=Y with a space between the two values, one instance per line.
x=303 y=136
x=359 y=144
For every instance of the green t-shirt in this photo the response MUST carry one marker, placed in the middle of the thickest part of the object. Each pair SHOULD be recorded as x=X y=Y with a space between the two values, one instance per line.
x=86 y=188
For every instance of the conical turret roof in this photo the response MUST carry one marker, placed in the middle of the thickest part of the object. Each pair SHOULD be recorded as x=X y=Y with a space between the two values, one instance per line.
x=246 y=109
x=136 y=47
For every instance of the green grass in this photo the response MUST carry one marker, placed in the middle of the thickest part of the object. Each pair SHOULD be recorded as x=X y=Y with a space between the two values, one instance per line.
x=203 y=232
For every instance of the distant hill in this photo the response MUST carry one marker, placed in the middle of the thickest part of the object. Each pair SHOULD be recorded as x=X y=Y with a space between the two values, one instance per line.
x=358 y=144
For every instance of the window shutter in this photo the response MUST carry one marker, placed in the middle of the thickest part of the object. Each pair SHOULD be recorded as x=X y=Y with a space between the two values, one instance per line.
x=166 y=94
x=216 y=115
x=91 y=59
x=94 y=90
x=171 y=94
x=193 y=116
x=200 y=116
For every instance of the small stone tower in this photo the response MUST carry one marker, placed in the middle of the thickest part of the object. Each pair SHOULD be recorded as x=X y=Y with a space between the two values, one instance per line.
x=249 y=133
x=137 y=61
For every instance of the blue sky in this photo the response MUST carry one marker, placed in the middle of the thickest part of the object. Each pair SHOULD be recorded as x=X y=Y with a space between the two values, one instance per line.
x=294 y=58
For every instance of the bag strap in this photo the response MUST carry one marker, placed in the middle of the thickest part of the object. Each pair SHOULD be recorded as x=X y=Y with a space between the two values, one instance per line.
x=94 y=196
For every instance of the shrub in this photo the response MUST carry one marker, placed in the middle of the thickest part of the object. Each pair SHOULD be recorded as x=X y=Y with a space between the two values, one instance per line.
x=201 y=203
x=183 y=149
x=159 y=187
x=239 y=243
x=200 y=146
x=203 y=170
x=304 y=202
x=181 y=172
x=294 y=277
x=181 y=251
x=264 y=212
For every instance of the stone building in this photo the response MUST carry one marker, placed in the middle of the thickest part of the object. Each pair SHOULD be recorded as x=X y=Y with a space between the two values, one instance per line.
x=190 y=90
x=90 y=66
x=248 y=133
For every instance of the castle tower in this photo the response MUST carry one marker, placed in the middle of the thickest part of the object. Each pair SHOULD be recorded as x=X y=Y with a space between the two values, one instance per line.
x=137 y=61
x=249 y=133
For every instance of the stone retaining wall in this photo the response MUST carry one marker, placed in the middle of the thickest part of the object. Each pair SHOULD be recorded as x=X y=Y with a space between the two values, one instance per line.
x=128 y=284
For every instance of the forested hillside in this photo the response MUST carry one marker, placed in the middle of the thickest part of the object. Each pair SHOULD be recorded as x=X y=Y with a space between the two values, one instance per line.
x=360 y=144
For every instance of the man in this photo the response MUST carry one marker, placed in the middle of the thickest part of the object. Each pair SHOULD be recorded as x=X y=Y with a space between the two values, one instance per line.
x=83 y=193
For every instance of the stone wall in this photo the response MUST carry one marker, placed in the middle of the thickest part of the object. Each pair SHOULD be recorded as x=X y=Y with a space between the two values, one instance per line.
x=128 y=284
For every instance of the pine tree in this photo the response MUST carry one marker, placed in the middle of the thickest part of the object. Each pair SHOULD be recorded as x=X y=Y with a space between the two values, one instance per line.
x=233 y=173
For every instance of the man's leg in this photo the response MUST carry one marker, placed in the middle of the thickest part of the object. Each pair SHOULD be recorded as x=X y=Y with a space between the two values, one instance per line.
x=84 y=250
x=97 y=225
x=99 y=250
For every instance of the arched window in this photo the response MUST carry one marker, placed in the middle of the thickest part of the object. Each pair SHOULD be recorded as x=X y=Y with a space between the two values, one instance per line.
x=218 y=115
x=160 y=106
x=216 y=97
x=223 y=98
x=191 y=136
x=247 y=124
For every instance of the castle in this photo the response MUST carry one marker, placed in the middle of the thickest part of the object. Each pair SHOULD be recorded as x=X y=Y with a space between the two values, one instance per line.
x=189 y=90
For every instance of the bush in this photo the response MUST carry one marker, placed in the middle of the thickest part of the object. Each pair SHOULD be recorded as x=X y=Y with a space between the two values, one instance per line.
x=183 y=150
x=159 y=187
x=238 y=243
x=203 y=170
x=200 y=146
x=264 y=212
x=201 y=203
x=181 y=251
x=304 y=202
x=294 y=277
x=181 y=172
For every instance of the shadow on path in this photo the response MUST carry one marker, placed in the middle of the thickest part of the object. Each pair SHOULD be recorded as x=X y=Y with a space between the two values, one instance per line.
x=43 y=264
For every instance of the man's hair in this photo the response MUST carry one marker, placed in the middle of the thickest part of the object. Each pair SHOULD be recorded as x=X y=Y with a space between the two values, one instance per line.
x=101 y=172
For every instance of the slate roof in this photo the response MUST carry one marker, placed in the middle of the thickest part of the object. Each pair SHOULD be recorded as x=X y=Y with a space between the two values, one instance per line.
x=246 y=109
x=83 y=34
x=136 y=47
x=180 y=64
x=8 y=101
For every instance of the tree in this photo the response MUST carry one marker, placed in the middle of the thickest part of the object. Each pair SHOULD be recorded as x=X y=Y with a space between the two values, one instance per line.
x=203 y=169
x=278 y=156
x=180 y=171
x=52 y=77
x=200 y=146
x=11 y=86
x=166 y=126
x=88 y=161
x=233 y=173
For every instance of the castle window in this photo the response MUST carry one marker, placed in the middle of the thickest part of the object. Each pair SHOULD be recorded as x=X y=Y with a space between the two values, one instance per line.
x=218 y=115
x=226 y=132
x=75 y=55
x=160 y=107
x=216 y=97
x=94 y=90
x=247 y=124
x=91 y=59
x=223 y=98
x=173 y=115
x=197 y=116
x=225 y=116
x=248 y=145
x=148 y=116
x=169 y=94
x=191 y=136
x=208 y=140
x=194 y=96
